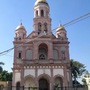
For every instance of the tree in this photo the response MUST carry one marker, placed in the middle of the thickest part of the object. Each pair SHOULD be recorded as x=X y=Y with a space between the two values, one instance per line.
x=84 y=82
x=77 y=69
x=6 y=76
x=86 y=76
x=1 y=69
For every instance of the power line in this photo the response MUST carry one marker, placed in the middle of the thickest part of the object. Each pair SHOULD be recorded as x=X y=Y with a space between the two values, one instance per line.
x=69 y=23
x=7 y=50
x=78 y=19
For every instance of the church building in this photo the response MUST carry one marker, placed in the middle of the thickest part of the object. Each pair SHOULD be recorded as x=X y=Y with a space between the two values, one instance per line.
x=41 y=59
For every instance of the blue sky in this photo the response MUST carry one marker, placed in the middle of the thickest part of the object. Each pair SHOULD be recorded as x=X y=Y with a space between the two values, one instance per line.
x=61 y=11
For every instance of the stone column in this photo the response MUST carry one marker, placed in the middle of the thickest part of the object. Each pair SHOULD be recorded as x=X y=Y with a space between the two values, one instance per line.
x=39 y=12
x=23 y=53
x=65 y=77
x=22 y=77
x=35 y=51
x=36 y=75
x=52 y=81
x=13 y=78
x=50 y=51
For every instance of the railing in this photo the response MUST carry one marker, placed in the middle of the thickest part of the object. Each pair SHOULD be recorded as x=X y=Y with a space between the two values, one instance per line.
x=36 y=88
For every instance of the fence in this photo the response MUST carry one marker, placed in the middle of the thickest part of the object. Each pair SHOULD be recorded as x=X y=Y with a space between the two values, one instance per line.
x=71 y=88
x=36 y=88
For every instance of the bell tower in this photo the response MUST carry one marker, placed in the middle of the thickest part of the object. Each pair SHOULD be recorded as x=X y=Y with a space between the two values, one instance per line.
x=42 y=20
x=61 y=33
x=20 y=32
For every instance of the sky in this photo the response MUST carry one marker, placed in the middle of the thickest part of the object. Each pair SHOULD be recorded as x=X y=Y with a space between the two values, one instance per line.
x=12 y=12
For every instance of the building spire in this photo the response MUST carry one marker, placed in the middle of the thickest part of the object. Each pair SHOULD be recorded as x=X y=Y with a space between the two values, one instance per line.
x=21 y=22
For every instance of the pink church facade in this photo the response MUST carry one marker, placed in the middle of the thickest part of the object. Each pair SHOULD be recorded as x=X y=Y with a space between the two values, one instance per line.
x=41 y=59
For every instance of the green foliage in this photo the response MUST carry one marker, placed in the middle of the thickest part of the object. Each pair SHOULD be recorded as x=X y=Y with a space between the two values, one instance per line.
x=84 y=81
x=5 y=76
x=1 y=69
x=77 y=69
x=1 y=63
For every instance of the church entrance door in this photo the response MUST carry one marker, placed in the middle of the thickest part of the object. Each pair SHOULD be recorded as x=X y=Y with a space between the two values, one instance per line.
x=43 y=84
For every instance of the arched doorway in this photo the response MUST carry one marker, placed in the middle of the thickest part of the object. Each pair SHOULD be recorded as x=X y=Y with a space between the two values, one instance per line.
x=18 y=86
x=58 y=83
x=29 y=82
x=43 y=84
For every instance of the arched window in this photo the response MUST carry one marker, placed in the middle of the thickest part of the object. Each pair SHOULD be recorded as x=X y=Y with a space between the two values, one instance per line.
x=19 y=54
x=63 y=55
x=36 y=13
x=55 y=54
x=58 y=82
x=42 y=13
x=39 y=28
x=43 y=52
x=45 y=28
x=29 y=54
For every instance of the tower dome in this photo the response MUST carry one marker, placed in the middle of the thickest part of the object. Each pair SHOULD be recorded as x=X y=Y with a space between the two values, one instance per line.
x=61 y=27
x=38 y=2
x=61 y=32
x=20 y=27
x=20 y=32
